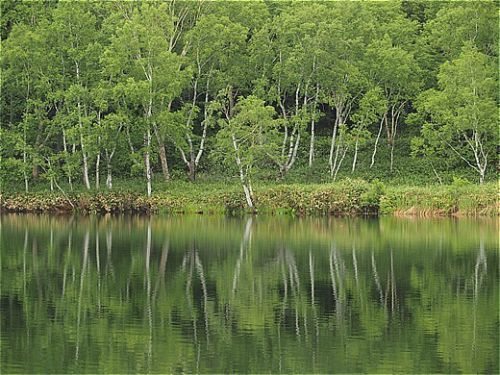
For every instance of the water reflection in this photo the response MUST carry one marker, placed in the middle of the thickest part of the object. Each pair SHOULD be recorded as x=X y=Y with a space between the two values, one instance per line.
x=205 y=294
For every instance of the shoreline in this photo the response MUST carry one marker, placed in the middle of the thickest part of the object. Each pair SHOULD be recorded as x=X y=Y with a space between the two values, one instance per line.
x=345 y=198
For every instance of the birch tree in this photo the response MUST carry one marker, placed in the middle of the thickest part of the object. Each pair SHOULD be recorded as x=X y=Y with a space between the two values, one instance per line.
x=370 y=108
x=214 y=42
x=397 y=73
x=341 y=76
x=140 y=58
x=463 y=111
x=74 y=31
x=21 y=62
x=249 y=136
x=110 y=137
x=296 y=88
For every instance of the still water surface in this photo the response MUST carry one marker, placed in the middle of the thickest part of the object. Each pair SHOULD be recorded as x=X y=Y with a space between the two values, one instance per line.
x=248 y=295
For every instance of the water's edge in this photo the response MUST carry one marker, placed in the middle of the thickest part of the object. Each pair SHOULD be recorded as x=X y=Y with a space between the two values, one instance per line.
x=341 y=199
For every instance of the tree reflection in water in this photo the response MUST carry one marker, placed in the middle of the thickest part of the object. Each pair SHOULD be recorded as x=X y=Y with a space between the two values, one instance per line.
x=194 y=294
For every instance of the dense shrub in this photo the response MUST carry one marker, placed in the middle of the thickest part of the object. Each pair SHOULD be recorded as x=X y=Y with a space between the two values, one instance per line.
x=346 y=197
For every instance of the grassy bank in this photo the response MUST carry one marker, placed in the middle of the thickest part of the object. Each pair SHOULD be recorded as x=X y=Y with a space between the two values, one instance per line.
x=347 y=197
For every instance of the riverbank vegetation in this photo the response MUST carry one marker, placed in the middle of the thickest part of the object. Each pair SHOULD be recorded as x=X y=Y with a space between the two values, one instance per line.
x=289 y=106
x=343 y=198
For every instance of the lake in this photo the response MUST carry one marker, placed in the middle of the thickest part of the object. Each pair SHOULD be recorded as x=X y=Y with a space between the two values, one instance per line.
x=207 y=294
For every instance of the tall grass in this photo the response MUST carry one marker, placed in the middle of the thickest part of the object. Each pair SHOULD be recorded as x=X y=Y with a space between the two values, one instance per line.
x=348 y=197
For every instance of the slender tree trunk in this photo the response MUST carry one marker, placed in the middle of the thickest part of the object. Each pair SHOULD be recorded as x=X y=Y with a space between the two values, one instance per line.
x=109 y=177
x=436 y=174
x=25 y=174
x=246 y=186
x=147 y=163
x=313 y=123
x=163 y=161
x=355 y=155
x=293 y=140
x=192 y=170
x=204 y=134
x=480 y=156
x=97 y=170
x=191 y=164
x=392 y=132
x=332 y=146
x=129 y=140
x=65 y=148
x=98 y=158
x=292 y=155
x=162 y=153
x=311 y=145
x=247 y=189
x=292 y=152
x=337 y=150
x=86 y=180
x=377 y=139
x=25 y=140
x=340 y=162
x=338 y=121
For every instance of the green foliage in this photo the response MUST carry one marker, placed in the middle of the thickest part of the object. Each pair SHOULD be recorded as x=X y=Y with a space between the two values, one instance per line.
x=463 y=112
x=133 y=88
x=458 y=200
x=348 y=197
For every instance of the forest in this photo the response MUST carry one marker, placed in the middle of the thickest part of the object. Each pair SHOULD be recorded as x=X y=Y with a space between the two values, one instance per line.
x=247 y=92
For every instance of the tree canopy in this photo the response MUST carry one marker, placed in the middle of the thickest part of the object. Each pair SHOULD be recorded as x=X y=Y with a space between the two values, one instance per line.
x=159 y=88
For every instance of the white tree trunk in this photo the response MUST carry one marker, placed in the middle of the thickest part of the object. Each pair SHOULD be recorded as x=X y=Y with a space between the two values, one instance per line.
x=338 y=121
x=481 y=158
x=26 y=186
x=340 y=162
x=311 y=145
x=109 y=177
x=355 y=156
x=332 y=146
x=243 y=178
x=86 y=180
x=333 y=166
x=392 y=131
x=162 y=153
x=248 y=195
x=377 y=139
x=97 y=170
x=109 y=156
x=313 y=123
x=482 y=173
x=65 y=148
x=205 y=126
x=98 y=158
x=147 y=163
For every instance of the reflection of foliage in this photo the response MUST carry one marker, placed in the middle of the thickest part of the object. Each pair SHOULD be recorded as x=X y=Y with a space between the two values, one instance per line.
x=95 y=295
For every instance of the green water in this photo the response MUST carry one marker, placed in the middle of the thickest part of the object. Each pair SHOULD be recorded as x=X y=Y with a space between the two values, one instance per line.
x=251 y=295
